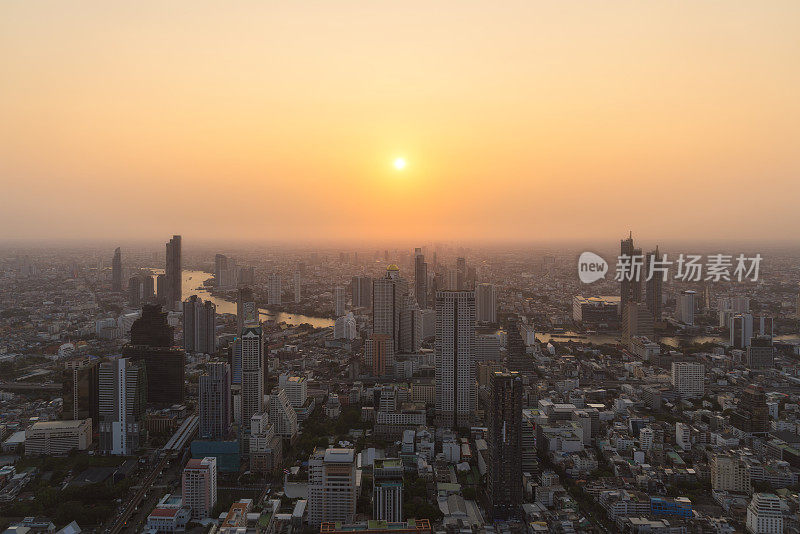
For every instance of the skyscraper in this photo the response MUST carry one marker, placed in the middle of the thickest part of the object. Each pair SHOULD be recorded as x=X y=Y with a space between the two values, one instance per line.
x=151 y=343
x=361 y=289
x=410 y=328
x=686 y=305
x=199 y=325
x=504 y=469
x=420 y=279
x=654 y=286
x=339 y=301
x=81 y=390
x=274 y=289
x=486 y=303
x=134 y=292
x=388 y=299
x=461 y=274
x=116 y=271
x=454 y=348
x=174 y=274
x=630 y=290
x=637 y=321
x=215 y=401
x=246 y=309
x=123 y=396
x=252 y=347
x=297 y=288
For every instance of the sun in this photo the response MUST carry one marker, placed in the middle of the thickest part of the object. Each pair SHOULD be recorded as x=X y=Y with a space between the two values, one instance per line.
x=400 y=164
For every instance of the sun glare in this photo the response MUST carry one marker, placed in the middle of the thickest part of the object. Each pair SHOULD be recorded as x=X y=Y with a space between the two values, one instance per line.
x=400 y=164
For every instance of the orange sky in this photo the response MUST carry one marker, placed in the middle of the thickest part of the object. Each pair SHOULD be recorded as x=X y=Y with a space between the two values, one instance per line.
x=519 y=120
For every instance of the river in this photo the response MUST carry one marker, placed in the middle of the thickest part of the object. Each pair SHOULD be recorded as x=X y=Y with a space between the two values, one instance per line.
x=672 y=341
x=193 y=285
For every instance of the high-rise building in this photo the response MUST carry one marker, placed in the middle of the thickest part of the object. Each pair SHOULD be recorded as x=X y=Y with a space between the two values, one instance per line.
x=266 y=447
x=752 y=414
x=116 y=271
x=379 y=354
x=174 y=274
x=246 y=309
x=274 y=289
x=688 y=379
x=764 y=514
x=81 y=390
x=134 y=292
x=389 y=296
x=361 y=289
x=411 y=328
x=630 y=290
x=761 y=353
x=161 y=289
x=226 y=272
x=729 y=472
x=199 y=484
x=454 y=353
x=151 y=343
x=148 y=288
x=345 y=327
x=461 y=274
x=741 y=330
x=686 y=307
x=282 y=414
x=123 y=396
x=420 y=279
x=252 y=350
x=339 y=301
x=486 y=303
x=504 y=469
x=215 y=401
x=296 y=388
x=199 y=325
x=297 y=287
x=331 y=486
x=637 y=322
x=654 y=286
x=387 y=489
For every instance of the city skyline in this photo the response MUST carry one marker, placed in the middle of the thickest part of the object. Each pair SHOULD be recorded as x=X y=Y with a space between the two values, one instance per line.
x=519 y=122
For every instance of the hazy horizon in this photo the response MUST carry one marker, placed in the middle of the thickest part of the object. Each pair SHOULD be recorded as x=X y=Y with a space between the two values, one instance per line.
x=519 y=121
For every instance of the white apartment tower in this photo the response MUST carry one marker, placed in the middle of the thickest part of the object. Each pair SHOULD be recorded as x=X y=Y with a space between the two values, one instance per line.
x=764 y=514
x=331 y=486
x=282 y=415
x=455 y=355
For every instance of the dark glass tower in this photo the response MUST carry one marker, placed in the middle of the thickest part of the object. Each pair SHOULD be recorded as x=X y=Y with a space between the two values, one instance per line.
x=504 y=473
x=173 y=281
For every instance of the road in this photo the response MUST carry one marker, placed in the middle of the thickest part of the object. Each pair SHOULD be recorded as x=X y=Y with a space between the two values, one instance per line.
x=122 y=520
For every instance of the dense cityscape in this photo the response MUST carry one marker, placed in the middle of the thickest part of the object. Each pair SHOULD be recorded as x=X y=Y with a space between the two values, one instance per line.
x=437 y=389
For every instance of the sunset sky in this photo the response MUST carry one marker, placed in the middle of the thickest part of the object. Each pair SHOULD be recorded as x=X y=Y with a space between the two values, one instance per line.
x=282 y=120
